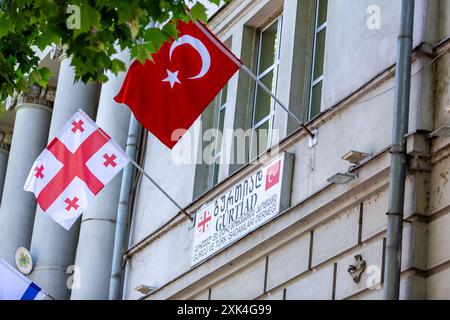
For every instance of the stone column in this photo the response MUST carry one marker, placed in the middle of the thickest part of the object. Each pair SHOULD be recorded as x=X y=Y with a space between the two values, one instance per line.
x=5 y=145
x=18 y=207
x=3 y=165
x=98 y=225
x=53 y=248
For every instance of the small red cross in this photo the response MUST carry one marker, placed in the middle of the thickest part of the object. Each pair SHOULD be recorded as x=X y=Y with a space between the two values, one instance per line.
x=72 y=203
x=109 y=160
x=77 y=125
x=39 y=173
x=205 y=220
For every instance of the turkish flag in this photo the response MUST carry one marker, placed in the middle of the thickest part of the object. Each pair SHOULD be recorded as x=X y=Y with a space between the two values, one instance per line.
x=74 y=167
x=171 y=91
x=273 y=175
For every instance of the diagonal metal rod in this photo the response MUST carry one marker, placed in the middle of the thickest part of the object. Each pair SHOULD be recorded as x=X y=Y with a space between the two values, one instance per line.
x=49 y=296
x=150 y=178
x=160 y=189
x=289 y=112
x=251 y=75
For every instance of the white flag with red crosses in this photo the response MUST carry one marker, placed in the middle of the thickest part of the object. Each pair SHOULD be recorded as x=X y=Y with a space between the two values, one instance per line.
x=74 y=167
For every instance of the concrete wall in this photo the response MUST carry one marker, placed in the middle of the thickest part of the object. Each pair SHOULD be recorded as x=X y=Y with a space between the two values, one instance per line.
x=305 y=252
x=153 y=209
x=438 y=254
x=350 y=43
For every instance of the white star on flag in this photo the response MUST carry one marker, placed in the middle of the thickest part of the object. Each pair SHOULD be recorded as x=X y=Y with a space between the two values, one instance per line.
x=74 y=167
x=172 y=77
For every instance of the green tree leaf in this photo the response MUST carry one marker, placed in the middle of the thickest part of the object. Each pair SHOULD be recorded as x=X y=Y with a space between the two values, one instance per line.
x=142 y=53
x=89 y=18
x=40 y=76
x=46 y=39
x=103 y=27
x=45 y=73
x=117 y=66
x=170 y=29
x=198 y=12
x=6 y=26
x=156 y=37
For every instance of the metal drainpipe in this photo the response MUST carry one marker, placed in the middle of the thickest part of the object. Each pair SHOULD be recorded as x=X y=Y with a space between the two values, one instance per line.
x=115 y=284
x=398 y=152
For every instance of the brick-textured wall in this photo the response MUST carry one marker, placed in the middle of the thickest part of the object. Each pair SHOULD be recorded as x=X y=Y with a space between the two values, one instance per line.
x=313 y=265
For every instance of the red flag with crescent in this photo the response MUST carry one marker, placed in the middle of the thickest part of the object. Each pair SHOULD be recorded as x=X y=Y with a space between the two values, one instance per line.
x=170 y=92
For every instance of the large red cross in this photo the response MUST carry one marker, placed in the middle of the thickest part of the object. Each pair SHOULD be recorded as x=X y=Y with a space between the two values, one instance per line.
x=72 y=203
x=205 y=220
x=39 y=171
x=74 y=165
x=109 y=160
x=77 y=125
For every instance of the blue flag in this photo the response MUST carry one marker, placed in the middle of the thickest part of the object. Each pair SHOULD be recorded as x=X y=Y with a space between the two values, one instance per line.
x=15 y=286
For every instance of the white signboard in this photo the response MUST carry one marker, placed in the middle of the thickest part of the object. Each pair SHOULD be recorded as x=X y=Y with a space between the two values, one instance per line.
x=243 y=208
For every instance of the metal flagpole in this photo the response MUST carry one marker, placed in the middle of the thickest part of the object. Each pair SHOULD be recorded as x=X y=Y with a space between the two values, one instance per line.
x=51 y=298
x=251 y=74
x=160 y=189
x=153 y=181
x=255 y=78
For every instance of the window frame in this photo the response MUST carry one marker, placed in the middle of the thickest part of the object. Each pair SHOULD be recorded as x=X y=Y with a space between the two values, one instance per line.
x=215 y=165
x=260 y=75
x=318 y=80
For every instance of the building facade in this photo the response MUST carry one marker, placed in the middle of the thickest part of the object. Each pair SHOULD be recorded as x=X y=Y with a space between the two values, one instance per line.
x=332 y=63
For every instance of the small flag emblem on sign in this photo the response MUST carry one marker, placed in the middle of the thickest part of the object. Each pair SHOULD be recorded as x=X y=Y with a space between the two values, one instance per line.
x=273 y=175
x=204 y=222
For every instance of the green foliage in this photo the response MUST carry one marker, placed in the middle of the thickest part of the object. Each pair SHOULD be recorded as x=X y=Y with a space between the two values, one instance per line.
x=198 y=12
x=91 y=30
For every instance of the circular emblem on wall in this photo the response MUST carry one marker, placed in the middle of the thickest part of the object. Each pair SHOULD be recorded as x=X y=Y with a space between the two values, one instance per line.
x=23 y=259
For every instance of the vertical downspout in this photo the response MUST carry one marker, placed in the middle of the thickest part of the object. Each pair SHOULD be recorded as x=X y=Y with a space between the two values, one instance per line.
x=115 y=284
x=398 y=152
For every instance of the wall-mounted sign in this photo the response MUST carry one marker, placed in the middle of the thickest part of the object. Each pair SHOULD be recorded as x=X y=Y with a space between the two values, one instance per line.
x=243 y=208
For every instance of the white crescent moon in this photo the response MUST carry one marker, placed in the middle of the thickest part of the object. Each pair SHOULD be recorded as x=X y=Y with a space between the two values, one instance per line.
x=199 y=47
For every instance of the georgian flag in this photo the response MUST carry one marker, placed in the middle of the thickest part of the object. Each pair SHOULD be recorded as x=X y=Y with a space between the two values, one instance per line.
x=74 y=167
x=15 y=286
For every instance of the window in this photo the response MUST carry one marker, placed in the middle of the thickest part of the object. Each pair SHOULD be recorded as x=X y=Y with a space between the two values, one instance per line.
x=213 y=124
x=219 y=105
x=268 y=51
x=320 y=28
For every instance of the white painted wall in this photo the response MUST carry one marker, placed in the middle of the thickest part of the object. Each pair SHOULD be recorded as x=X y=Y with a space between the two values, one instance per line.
x=354 y=56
